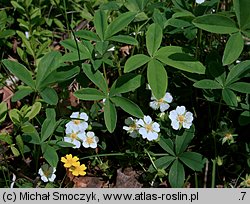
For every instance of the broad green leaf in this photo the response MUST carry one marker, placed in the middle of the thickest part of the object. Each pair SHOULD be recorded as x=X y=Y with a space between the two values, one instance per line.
x=47 y=64
x=3 y=19
x=49 y=95
x=242 y=87
x=14 y=116
x=135 y=62
x=193 y=160
x=89 y=94
x=119 y=23
x=110 y=115
x=96 y=77
x=233 y=48
x=167 y=145
x=207 y=84
x=26 y=43
x=161 y=163
x=20 y=72
x=216 y=23
x=175 y=56
x=124 y=39
x=88 y=35
x=244 y=118
x=20 y=144
x=31 y=137
x=50 y=155
x=176 y=175
x=182 y=142
x=3 y=111
x=5 y=137
x=153 y=38
x=14 y=151
x=242 y=12
x=35 y=109
x=238 y=71
x=126 y=83
x=229 y=97
x=6 y=33
x=128 y=106
x=49 y=124
x=157 y=78
x=102 y=47
x=100 y=22
x=22 y=92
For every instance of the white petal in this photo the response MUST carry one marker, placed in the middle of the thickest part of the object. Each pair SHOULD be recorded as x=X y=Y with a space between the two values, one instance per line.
x=90 y=134
x=142 y=131
x=186 y=125
x=175 y=124
x=126 y=128
x=81 y=136
x=68 y=139
x=76 y=143
x=84 y=116
x=93 y=145
x=85 y=144
x=129 y=121
x=52 y=178
x=74 y=115
x=147 y=119
x=164 y=107
x=199 y=1
x=173 y=115
x=189 y=117
x=152 y=136
x=96 y=139
x=156 y=127
x=140 y=122
x=44 y=179
x=168 y=97
x=180 y=110
x=133 y=134
x=154 y=105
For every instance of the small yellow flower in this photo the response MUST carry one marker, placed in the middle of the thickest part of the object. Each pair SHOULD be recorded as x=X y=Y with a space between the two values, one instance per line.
x=69 y=160
x=78 y=169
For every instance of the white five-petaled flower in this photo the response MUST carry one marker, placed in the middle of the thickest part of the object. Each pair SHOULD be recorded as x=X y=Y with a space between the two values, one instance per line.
x=47 y=173
x=162 y=103
x=181 y=118
x=78 y=122
x=148 y=128
x=199 y=1
x=90 y=140
x=74 y=136
x=132 y=127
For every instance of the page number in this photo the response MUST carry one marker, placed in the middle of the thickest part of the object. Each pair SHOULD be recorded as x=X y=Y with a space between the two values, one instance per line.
x=242 y=195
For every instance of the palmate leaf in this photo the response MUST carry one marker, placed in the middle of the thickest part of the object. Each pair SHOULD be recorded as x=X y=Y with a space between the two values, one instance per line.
x=193 y=160
x=161 y=163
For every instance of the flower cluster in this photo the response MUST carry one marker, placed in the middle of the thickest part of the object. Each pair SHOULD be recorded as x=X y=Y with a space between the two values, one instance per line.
x=47 y=173
x=76 y=131
x=146 y=127
x=73 y=165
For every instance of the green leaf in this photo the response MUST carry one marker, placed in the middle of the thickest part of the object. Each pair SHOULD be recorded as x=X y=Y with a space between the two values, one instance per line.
x=3 y=111
x=244 y=118
x=119 y=23
x=161 y=163
x=207 y=84
x=20 y=144
x=5 y=137
x=153 y=38
x=126 y=83
x=174 y=56
x=182 y=142
x=124 y=39
x=35 y=109
x=89 y=94
x=193 y=160
x=176 y=175
x=229 y=97
x=157 y=78
x=48 y=64
x=88 y=35
x=96 y=77
x=238 y=71
x=14 y=151
x=49 y=95
x=6 y=33
x=110 y=115
x=233 y=49
x=128 y=106
x=135 y=62
x=20 y=72
x=49 y=124
x=100 y=22
x=50 y=155
x=22 y=92
x=242 y=87
x=216 y=23
x=14 y=116
x=242 y=12
x=3 y=19
x=167 y=145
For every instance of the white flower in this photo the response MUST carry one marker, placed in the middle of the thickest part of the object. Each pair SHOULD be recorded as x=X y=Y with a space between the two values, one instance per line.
x=90 y=140
x=199 y=1
x=47 y=173
x=74 y=136
x=13 y=181
x=78 y=122
x=181 y=118
x=111 y=49
x=162 y=103
x=148 y=128
x=132 y=127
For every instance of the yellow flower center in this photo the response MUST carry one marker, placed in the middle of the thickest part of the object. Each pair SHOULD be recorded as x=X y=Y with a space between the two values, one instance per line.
x=228 y=136
x=181 y=118
x=73 y=135
x=77 y=122
x=90 y=140
x=248 y=182
x=149 y=128
x=133 y=126
x=160 y=100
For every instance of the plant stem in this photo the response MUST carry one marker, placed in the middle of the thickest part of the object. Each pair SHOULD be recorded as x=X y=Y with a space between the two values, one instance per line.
x=213 y=173
x=196 y=180
x=104 y=72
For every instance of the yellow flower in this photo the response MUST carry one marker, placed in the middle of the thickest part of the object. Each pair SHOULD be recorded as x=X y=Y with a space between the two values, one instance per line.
x=78 y=169
x=69 y=160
